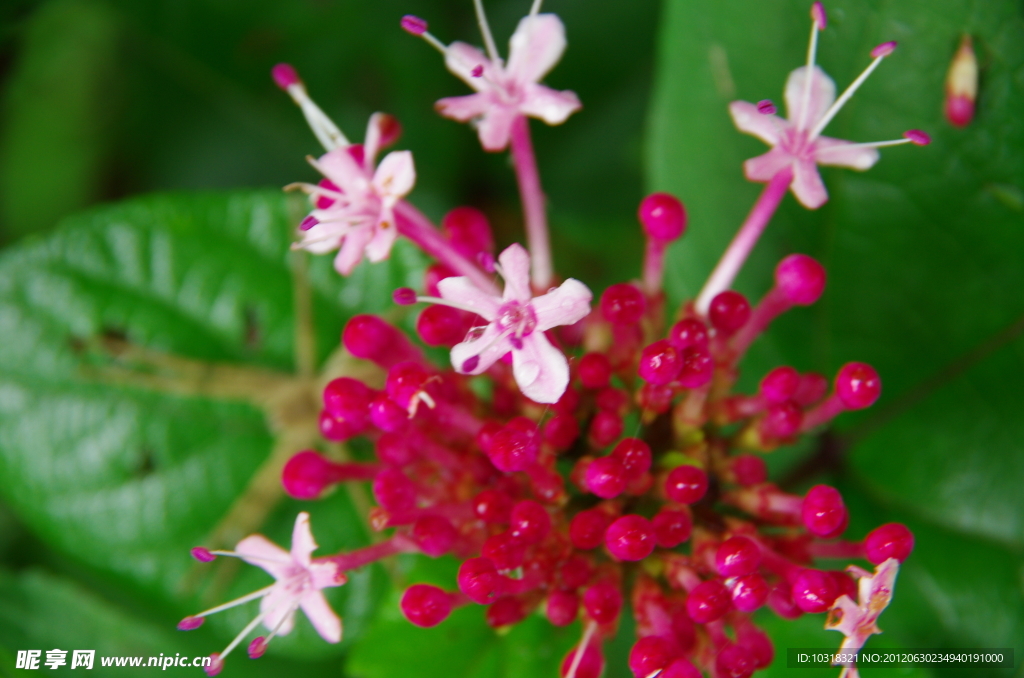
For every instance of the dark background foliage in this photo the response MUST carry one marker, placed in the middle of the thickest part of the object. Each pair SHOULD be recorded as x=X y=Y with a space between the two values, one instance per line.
x=104 y=485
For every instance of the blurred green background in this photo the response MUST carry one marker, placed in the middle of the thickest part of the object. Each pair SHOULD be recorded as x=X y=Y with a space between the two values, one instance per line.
x=105 y=485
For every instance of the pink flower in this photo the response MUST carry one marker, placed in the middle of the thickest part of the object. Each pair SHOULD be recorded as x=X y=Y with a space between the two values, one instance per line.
x=857 y=621
x=298 y=583
x=355 y=204
x=516 y=322
x=506 y=91
x=796 y=141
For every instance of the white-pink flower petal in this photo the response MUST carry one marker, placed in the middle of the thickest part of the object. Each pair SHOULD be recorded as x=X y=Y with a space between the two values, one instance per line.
x=807 y=185
x=567 y=304
x=480 y=352
x=515 y=269
x=302 y=540
x=460 y=290
x=462 y=59
x=549 y=105
x=259 y=551
x=747 y=119
x=840 y=153
x=395 y=177
x=822 y=95
x=464 y=108
x=321 y=616
x=536 y=46
x=540 y=369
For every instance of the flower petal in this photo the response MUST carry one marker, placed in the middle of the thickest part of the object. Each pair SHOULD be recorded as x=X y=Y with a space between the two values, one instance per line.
x=487 y=348
x=462 y=291
x=340 y=167
x=395 y=175
x=325 y=573
x=540 y=369
x=303 y=543
x=495 y=128
x=259 y=551
x=535 y=47
x=461 y=59
x=567 y=304
x=351 y=252
x=823 y=93
x=807 y=185
x=515 y=269
x=384 y=235
x=382 y=130
x=464 y=108
x=765 y=166
x=551 y=106
x=321 y=616
x=278 y=609
x=840 y=153
x=747 y=119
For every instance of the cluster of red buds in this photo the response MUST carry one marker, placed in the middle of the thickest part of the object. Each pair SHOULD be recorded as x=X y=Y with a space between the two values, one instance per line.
x=582 y=464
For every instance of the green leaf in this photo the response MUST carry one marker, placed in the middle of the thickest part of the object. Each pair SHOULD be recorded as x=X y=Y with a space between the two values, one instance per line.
x=57 y=108
x=115 y=453
x=923 y=256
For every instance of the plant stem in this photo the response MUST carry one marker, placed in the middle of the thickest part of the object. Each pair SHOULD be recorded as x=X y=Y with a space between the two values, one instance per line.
x=415 y=226
x=533 y=204
x=654 y=266
x=736 y=254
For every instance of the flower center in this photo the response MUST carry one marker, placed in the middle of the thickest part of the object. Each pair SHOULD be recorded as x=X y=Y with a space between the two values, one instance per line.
x=517 y=319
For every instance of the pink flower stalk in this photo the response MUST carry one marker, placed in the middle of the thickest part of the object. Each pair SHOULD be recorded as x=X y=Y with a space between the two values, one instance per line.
x=356 y=202
x=298 y=583
x=797 y=149
x=857 y=621
x=516 y=322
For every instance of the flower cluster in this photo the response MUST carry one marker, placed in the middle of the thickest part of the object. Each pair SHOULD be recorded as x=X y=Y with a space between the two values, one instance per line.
x=602 y=438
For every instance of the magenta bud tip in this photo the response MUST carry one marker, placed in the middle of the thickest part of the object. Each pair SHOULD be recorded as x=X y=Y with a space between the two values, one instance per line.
x=470 y=364
x=404 y=296
x=190 y=623
x=917 y=137
x=257 y=647
x=819 y=16
x=883 y=50
x=285 y=75
x=477 y=71
x=203 y=555
x=414 y=25
x=308 y=223
x=766 y=107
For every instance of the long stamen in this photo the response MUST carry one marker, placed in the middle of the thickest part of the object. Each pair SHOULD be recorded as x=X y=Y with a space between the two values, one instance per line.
x=326 y=131
x=916 y=137
x=481 y=18
x=817 y=24
x=236 y=602
x=236 y=554
x=238 y=639
x=879 y=53
x=535 y=9
x=580 y=649
x=259 y=645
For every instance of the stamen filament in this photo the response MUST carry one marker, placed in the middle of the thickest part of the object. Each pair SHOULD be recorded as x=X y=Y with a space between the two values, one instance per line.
x=481 y=19
x=535 y=9
x=805 y=99
x=434 y=42
x=326 y=131
x=869 y=144
x=843 y=98
x=580 y=649
x=444 y=302
x=236 y=554
x=236 y=602
x=238 y=639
